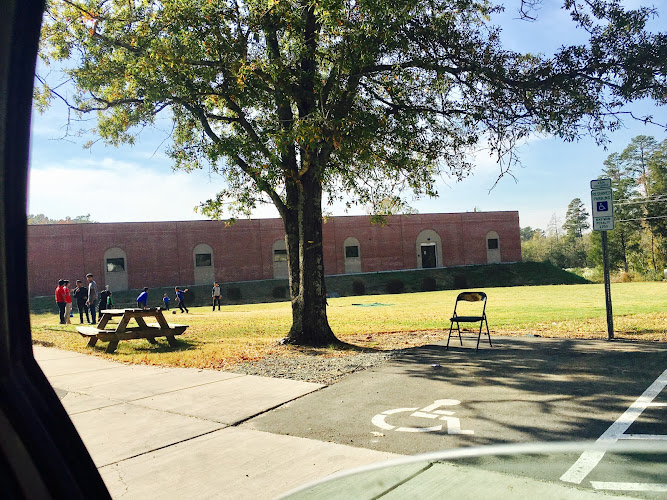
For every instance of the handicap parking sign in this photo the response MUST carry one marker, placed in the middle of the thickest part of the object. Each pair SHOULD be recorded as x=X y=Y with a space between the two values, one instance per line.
x=603 y=209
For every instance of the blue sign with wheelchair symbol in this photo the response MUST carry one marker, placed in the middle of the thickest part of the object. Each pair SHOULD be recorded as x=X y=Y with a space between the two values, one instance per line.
x=603 y=209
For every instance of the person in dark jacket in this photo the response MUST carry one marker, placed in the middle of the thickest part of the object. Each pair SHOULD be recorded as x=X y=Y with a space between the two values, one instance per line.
x=80 y=294
x=92 y=295
x=104 y=298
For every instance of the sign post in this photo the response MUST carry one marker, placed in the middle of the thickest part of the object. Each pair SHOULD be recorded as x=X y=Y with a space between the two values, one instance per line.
x=603 y=220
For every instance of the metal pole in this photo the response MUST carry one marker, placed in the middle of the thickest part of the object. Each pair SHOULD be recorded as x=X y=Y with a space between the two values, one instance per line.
x=607 y=287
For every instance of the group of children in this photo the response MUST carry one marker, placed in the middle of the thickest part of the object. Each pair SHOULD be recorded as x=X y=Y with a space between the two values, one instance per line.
x=87 y=298
x=216 y=296
x=142 y=299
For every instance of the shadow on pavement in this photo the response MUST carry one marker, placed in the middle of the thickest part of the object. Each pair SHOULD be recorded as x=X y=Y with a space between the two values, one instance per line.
x=522 y=389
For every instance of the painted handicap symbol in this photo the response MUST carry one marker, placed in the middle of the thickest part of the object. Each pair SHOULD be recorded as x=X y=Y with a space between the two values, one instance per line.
x=431 y=412
x=603 y=206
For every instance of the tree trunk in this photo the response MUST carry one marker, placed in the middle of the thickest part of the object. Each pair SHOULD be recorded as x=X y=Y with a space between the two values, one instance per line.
x=303 y=228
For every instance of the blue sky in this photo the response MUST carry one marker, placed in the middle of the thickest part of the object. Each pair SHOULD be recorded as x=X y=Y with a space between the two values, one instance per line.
x=136 y=183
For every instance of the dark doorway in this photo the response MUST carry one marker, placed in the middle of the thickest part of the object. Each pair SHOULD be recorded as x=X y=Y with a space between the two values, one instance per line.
x=428 y=256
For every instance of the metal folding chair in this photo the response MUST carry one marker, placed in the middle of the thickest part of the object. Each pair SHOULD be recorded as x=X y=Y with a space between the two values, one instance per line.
x=470 y=297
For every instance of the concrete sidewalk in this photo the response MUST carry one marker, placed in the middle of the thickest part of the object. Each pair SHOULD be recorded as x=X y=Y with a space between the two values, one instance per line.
x=176 y=433
x=171 y=432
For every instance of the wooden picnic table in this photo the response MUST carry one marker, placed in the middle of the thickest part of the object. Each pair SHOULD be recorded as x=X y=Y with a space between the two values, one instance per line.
x=122 y=331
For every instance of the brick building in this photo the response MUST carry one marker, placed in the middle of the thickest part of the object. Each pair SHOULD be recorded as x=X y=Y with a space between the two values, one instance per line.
x=134 y=255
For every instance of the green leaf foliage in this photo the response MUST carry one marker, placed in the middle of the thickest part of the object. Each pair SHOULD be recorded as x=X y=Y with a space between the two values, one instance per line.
x=639 y=183
x=298 y=101
x=370 y=98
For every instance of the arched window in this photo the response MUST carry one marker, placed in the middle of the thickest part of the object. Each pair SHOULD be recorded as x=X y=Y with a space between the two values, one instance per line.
x=279 y=253
x=115 y=269
x=429 y=249
x=492 y=247
x=352 y=254
x=204 y=267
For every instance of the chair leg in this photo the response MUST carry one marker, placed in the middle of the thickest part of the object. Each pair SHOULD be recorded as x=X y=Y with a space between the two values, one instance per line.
x=450 y=334
x=479 y=335
x=487 y=332
x=458 y=327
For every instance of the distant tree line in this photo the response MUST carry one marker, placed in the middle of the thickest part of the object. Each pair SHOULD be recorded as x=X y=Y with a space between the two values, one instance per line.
x=638 y=244
x=34 y=219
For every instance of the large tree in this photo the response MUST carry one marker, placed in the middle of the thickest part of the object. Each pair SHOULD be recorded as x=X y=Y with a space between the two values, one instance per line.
x=624 y=239
x=641 y=161
x=296 y=101
x=656 y=211
x=635 y=158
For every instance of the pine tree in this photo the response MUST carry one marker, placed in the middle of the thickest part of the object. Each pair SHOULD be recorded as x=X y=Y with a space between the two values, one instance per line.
x=576 y=219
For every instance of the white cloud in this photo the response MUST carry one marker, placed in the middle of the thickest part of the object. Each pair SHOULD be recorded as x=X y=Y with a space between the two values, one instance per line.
x=116 y=191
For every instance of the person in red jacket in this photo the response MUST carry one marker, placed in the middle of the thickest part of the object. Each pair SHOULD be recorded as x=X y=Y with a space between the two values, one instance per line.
x=60 y=300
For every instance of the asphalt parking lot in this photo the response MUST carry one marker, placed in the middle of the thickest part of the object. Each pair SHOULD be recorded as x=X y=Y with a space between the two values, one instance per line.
x=521 y=390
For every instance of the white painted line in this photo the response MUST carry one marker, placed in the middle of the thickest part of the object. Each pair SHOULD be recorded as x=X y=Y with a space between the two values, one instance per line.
x=582 y=467
x=588 y=459
x=420 y=429
x=646 y=437
x=607 y=485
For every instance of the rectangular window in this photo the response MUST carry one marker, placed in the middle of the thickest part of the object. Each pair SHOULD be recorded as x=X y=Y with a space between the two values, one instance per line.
x=116 y=265
x=203 y=260
x=492 y=243
x=280 y=255
x=351 y=252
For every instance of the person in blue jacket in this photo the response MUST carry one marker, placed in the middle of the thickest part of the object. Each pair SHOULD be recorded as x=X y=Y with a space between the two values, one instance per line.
x=180 y=297
x=142 y=299
x=165 y=300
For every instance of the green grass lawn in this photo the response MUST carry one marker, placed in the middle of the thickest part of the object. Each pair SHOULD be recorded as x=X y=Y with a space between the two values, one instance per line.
x=247 y=332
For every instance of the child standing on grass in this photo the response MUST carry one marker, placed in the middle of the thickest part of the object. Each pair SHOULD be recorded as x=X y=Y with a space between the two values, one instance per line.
x=166 y=299
x=216 y=295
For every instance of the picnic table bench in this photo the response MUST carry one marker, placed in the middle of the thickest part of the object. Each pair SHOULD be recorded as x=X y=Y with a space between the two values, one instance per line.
x=122 y=331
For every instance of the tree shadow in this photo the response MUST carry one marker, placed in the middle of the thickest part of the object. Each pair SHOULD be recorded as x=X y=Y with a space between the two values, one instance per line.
x=143 y=346
x=43 y=343
x=565 y=388
x=521 y=390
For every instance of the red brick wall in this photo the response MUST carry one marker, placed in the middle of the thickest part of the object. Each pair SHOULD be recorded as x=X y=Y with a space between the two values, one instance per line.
x=161 y=253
